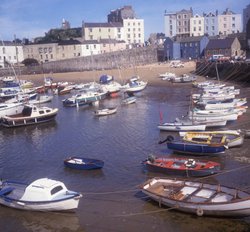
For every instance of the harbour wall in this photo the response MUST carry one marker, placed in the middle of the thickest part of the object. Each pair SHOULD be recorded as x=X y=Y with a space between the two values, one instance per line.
x=225 y=71
x=120 y=59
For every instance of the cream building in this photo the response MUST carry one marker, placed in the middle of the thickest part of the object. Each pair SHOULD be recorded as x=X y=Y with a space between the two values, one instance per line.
x=229 y=23
x=197 y=25
x=98 y=31
x=131 y=31
x=41 y=52
x=10 y=53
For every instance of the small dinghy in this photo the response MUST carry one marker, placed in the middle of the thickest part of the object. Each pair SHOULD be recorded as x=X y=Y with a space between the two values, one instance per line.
x=83 y=163
x=181 y=166
x=105 y=111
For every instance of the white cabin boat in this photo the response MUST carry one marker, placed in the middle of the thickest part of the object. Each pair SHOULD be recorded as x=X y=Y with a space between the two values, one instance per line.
x=31 y=114
x=41 y=195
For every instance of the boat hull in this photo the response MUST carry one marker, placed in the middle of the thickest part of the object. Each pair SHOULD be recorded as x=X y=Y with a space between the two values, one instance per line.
x=196 y=149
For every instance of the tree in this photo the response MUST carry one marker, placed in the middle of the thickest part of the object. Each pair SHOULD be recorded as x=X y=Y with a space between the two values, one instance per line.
x=30 y=62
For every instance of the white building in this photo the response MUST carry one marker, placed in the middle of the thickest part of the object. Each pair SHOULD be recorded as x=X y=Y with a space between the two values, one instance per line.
x=211 y=24
x=90 y=47
x=170 y=24
x=197 y=25
x=229 y=23
x=133 y=31
x=10 y=53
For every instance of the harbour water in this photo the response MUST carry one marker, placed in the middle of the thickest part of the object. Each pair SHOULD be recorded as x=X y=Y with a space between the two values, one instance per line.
x=112 y=200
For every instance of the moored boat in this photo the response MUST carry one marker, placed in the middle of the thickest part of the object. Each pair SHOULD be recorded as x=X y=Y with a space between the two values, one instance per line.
x=182 y=126
x=7 y=109
x=231 y=138
x=187 y=147
x=198 y=198
x=41 y=195
x=129 y=100
x=81 y=163
x=181 y=166
x=134 y=85
x=31 y=114
x=105 y=111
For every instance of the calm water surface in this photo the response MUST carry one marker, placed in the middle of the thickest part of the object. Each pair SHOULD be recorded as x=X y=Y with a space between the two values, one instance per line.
x=111 y=199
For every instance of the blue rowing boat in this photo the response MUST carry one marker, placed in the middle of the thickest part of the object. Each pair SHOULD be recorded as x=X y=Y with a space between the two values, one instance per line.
x=80 y=163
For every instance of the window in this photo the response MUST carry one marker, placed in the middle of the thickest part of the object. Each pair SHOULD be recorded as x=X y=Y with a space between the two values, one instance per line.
x=101 y=29
x=51 y=56
x=87 y=46
x=56 y=190
x=3 y=50
x=90 y=30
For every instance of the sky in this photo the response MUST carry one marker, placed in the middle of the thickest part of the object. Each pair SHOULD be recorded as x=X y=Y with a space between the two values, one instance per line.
x=32 y=18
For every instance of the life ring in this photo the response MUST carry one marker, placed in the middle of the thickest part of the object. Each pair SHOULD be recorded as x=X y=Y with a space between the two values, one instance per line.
x=199 y=212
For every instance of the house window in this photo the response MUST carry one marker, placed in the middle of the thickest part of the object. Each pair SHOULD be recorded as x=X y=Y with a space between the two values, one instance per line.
x=3 y=50
x=87 y=46
x=90 y=29
x=51 y=56
x=101 y=29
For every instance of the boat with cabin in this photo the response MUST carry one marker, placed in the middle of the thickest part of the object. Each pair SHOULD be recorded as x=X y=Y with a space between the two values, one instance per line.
x=31 y=114
x=41 y=195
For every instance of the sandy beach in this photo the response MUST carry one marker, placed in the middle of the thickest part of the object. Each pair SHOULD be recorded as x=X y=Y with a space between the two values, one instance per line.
x=148 y=73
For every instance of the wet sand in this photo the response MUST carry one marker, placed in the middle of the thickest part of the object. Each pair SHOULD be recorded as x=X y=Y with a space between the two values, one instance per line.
x=148 y=73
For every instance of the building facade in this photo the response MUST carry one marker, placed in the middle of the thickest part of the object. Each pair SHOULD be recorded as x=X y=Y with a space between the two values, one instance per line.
x=10 y=53
x=170 y=24
x=183 y=22
x=246 y=17
x=118 y=15
x=197 y=25
x=133 y=31
x=229 y=23
x=193 y=47
x=229 y=47
x=211 y=24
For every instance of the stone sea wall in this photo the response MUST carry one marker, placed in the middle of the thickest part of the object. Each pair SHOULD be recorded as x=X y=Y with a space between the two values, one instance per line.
x=225 y=71
x=123 y=59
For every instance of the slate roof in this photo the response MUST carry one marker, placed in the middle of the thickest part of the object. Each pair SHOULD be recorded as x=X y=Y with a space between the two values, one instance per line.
x=112 y=24
x=190 y=39
x=69 y=42
x=220 y=43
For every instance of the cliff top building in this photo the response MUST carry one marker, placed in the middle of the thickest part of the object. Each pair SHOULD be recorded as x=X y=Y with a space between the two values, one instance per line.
x=118 y=15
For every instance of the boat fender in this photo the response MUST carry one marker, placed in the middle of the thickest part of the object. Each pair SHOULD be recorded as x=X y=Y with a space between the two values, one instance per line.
x=199 y=212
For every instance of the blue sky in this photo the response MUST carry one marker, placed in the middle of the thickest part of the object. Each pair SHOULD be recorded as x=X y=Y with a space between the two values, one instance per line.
x=32 y=18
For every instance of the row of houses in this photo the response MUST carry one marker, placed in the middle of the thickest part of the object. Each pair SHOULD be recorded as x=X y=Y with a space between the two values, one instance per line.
x=185 y=23
x=202 y=47
x=13 y=53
